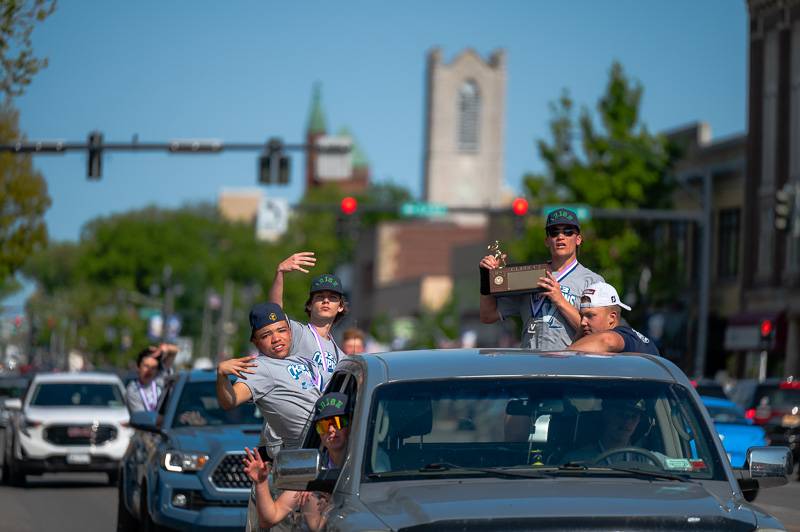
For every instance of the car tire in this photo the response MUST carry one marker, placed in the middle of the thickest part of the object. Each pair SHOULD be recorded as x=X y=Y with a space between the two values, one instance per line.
x=126 y=522
x=16 y=476
x=145 y=520
x=113 y=477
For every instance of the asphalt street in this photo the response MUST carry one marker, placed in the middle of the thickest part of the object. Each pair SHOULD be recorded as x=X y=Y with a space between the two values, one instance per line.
x=85 y=503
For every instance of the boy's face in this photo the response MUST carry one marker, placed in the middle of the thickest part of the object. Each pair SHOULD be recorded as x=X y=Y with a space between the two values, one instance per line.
x=274 y=340
x=562 y=240
x=326 y=304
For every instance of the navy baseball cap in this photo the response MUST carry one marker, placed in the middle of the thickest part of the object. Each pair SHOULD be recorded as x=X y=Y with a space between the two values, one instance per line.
x=326 y=281
x=263 y=314
x=329 y=405
x=562 y=216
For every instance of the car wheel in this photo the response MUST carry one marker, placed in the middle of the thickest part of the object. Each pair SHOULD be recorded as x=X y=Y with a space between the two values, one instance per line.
x=146 y=521
x=16 y=476
x=126 y=522
x=113 y=477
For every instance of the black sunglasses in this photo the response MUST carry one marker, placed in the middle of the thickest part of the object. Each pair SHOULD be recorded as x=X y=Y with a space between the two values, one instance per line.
x=555 y=231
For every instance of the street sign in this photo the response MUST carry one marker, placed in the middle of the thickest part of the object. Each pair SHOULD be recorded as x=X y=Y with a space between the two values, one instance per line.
x=584 y=212
x=335 y=165
x=272 y=219
x=420 y=209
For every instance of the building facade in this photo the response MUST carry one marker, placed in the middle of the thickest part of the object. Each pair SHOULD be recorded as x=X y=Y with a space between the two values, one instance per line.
x=771 y=268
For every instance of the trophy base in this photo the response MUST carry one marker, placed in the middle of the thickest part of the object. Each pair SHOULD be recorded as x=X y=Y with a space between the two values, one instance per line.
x=512 y=280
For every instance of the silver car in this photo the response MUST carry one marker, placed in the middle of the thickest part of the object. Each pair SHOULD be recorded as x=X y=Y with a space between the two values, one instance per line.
x=515 y=440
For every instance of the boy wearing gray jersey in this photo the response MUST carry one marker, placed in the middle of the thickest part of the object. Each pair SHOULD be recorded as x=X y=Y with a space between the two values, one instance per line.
x=550 y=317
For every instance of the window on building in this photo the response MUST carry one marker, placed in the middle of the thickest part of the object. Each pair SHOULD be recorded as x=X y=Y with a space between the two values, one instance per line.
x=469 y=108
x=728 y=238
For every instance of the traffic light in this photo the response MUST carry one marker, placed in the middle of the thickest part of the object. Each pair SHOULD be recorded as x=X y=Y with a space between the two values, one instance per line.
x=94 y=169
x=274 y=166
x=784 y=198
x=520 y=208
x=349 y=205
x=767 y=333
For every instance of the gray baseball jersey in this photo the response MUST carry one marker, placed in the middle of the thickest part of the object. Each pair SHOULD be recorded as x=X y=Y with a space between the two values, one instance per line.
x=306 y=344
x=544 y=327
x=284 y=392
x=136 y=394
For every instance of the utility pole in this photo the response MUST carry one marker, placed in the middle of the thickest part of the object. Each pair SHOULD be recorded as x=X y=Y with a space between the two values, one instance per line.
x=224 y=318
x=167 y=308
x=705 y=273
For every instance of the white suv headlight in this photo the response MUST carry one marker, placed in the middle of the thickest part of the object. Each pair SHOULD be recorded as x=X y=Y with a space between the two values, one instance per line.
x=183 y=461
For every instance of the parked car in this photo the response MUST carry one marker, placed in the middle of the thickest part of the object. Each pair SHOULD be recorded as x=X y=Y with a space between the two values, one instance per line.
x=751 y=393
x=454 y=440
x=709 y=388
x=66 y=422
x=11 y=387
x=184 y=466
x=736 y=431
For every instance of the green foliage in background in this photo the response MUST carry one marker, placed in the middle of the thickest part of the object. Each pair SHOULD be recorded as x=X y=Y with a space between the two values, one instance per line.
x=23 y=202
x=18 y=65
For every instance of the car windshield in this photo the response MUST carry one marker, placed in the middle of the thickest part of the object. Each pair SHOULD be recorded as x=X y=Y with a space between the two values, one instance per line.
x=198 y=406
x=550 y=425
x=727 y=414
x=83 y=394
x=14 y=388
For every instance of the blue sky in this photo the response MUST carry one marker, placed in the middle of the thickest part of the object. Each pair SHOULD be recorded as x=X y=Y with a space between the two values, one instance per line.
x=243 y=71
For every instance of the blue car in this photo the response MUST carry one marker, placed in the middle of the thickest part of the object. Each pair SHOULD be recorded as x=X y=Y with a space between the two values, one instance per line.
x=736 y=431
x=184 y=467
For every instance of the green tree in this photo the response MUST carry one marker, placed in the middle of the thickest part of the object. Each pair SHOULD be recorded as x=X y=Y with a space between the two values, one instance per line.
x=23 y=202
x=615 y=164
x=18 y=65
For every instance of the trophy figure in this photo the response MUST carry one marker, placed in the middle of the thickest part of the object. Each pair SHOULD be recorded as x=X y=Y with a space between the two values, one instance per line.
x=510 y=279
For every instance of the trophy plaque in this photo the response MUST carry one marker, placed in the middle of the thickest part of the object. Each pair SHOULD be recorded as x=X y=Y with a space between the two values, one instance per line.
x=510 y=279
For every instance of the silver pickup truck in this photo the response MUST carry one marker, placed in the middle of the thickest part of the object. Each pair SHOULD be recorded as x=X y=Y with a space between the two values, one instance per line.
x=515 y=440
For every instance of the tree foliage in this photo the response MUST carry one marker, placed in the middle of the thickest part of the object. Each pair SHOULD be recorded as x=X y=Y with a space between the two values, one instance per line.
x=616 y=163
x=18 y=64
x=23 y=202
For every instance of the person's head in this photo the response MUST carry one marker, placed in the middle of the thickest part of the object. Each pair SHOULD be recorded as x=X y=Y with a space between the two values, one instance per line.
x=621 y=417
x=600 y=308
x=562 y=234
x=353 y=341
x=326 y=299
x=270 y=332
x=147 y=364
x=332 y=422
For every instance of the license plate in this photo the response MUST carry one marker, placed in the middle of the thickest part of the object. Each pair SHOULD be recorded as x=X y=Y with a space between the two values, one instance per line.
x=82 y=459
x=790 y=420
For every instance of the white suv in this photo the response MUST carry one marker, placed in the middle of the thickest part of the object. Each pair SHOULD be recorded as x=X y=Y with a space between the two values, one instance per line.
x=67 y=422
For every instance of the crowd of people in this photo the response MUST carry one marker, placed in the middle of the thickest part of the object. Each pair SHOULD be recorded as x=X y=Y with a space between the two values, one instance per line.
x=572 y=307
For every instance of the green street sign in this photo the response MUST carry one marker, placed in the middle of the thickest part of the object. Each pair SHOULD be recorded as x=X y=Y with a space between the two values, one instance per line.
x=145 y=313
x=418 y=209
x=583 y=211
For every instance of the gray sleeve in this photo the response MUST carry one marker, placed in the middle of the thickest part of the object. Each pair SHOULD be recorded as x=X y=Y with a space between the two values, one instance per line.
x=508 y=306
x=259 y=383
x=132 y=397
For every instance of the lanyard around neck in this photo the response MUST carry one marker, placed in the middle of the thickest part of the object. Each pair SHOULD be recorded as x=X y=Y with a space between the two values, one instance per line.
x=149 y=403
x=323 y=357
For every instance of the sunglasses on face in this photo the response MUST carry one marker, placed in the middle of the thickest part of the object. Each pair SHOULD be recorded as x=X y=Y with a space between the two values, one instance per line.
x=324 y=425
x=555 y=231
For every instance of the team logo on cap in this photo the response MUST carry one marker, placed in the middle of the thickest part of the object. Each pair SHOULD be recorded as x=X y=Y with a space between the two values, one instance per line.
x=273 y=316
x=331 y=401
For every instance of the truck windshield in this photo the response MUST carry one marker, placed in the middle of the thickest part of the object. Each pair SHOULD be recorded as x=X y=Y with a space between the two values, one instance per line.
x=77 y=394
x=198 y=406
x=558 y=424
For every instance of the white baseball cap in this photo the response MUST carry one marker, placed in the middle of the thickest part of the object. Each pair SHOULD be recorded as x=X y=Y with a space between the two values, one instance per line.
x=601 y=295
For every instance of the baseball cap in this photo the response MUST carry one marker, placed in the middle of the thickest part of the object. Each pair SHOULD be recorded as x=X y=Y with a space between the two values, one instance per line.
x=329 y=405
x=326 y=281
x=562 y=216
x=601 y=295
x=263 y=314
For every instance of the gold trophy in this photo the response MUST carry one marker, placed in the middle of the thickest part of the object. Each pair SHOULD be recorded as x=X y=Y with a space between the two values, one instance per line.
x=510 y=279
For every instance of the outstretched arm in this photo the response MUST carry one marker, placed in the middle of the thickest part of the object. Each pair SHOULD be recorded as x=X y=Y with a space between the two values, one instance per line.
x=294 y=263
x=602 y=342
x=270 y=511
x=232 y=395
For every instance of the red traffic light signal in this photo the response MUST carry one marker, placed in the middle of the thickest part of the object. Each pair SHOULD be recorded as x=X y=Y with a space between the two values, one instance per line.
x=349 y=205
x=766 y=328
x=520 y=206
